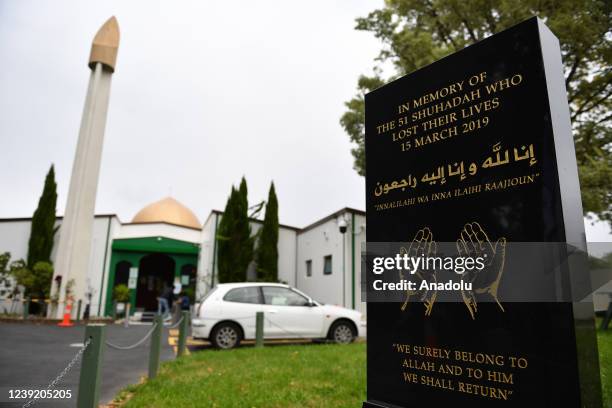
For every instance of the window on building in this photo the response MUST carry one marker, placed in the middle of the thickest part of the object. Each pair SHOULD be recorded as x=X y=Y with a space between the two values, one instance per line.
x=327 y=265
x=249 y=294
x=309 y=268
x=279 y=296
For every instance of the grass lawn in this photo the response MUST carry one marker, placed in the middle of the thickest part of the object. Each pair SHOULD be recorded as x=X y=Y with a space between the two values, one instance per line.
x=316 y=375
x=605 y=360
x=281 y=376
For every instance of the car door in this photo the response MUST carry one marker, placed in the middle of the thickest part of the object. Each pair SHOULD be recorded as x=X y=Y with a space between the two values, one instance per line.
x=241 y=304
x=290 y=314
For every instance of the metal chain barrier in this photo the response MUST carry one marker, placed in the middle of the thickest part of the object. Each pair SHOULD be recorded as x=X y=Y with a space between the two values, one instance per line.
x=138 y=343
x=61 y=375
x=175 y=325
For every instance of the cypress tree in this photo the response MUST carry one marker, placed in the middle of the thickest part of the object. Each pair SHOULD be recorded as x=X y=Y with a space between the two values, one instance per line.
x=43 y=223
x=244 y=193
x=267 y=251
x=235 y=245
x=226 y=226
x=244 y=242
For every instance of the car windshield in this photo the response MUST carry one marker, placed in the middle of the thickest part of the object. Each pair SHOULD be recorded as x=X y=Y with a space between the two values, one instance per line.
x=303 y=294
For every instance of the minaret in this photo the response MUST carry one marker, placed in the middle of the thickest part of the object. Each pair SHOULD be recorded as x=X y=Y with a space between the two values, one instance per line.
x=75 y=233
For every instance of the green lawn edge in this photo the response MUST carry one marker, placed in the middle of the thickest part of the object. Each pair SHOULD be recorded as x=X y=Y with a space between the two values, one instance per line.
x=324 y=375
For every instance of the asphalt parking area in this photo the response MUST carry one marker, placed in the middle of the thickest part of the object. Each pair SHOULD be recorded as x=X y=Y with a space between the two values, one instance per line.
x=33 y=355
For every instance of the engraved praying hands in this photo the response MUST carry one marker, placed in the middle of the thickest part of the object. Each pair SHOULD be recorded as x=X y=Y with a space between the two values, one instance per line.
x=473 y=242
x=421 y=245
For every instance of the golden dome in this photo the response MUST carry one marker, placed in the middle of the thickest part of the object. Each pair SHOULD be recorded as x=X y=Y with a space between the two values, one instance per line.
x=168 y=210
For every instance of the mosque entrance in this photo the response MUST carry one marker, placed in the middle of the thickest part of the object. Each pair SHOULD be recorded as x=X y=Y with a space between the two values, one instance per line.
x=154 y=273
x=157 y=261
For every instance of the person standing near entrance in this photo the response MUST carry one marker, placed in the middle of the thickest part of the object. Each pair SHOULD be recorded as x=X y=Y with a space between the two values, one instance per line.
x=184 y=302
x=163 y=301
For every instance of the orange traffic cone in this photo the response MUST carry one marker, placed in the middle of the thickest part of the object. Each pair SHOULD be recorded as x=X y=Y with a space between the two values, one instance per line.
x=66 y=322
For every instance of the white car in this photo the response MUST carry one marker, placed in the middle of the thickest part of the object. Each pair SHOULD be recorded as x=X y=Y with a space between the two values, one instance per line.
x=227 y=315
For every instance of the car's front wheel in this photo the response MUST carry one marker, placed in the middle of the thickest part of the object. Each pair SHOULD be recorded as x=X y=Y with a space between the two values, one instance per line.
x=225 y=336
x=342 y=332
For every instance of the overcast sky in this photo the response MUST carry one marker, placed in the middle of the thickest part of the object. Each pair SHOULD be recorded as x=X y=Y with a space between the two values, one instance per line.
x=204 y=92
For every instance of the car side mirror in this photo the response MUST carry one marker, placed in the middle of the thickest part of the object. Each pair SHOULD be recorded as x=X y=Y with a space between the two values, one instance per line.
x=311 y=303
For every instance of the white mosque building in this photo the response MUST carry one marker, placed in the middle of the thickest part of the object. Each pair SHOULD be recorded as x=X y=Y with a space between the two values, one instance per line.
x=165 y=243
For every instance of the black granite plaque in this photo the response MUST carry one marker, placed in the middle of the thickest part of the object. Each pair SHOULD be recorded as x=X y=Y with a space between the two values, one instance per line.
x=478 y=142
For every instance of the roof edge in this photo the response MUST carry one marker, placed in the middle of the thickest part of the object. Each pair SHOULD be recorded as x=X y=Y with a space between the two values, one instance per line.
x=307 y=227
x=332 y=216
x=57 y=217
x=162 y=222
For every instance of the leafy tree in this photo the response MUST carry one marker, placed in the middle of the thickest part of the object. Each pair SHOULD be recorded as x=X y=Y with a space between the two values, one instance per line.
x=415 y=33
x=604 y=262
x=121 y=293
x=5 y=272
x=235 y=244
x=36 y=280
x=43 y=223
x=267 y=251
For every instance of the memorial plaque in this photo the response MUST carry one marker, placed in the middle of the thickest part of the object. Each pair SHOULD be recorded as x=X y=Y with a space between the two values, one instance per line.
x=477 y=149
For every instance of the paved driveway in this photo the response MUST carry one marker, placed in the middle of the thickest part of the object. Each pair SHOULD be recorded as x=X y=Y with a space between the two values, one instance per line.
x=33 y=355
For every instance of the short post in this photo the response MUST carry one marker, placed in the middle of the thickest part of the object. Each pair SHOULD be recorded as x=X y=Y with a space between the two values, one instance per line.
x=114 y=310
x=78 y=315
x=259 y=329
x=126 y=322
x=26 y=308
x=182 y=339
x=91 y=367
x=156 y=338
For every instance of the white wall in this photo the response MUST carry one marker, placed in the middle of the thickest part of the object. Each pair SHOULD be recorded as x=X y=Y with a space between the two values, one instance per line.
x=325 y=239
x=287 y=256
x=14 y=237
x=15 y=234
x=294 y=248
x=360 y=239
x=601 y=297
x=159 y=229
x=314 y=244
